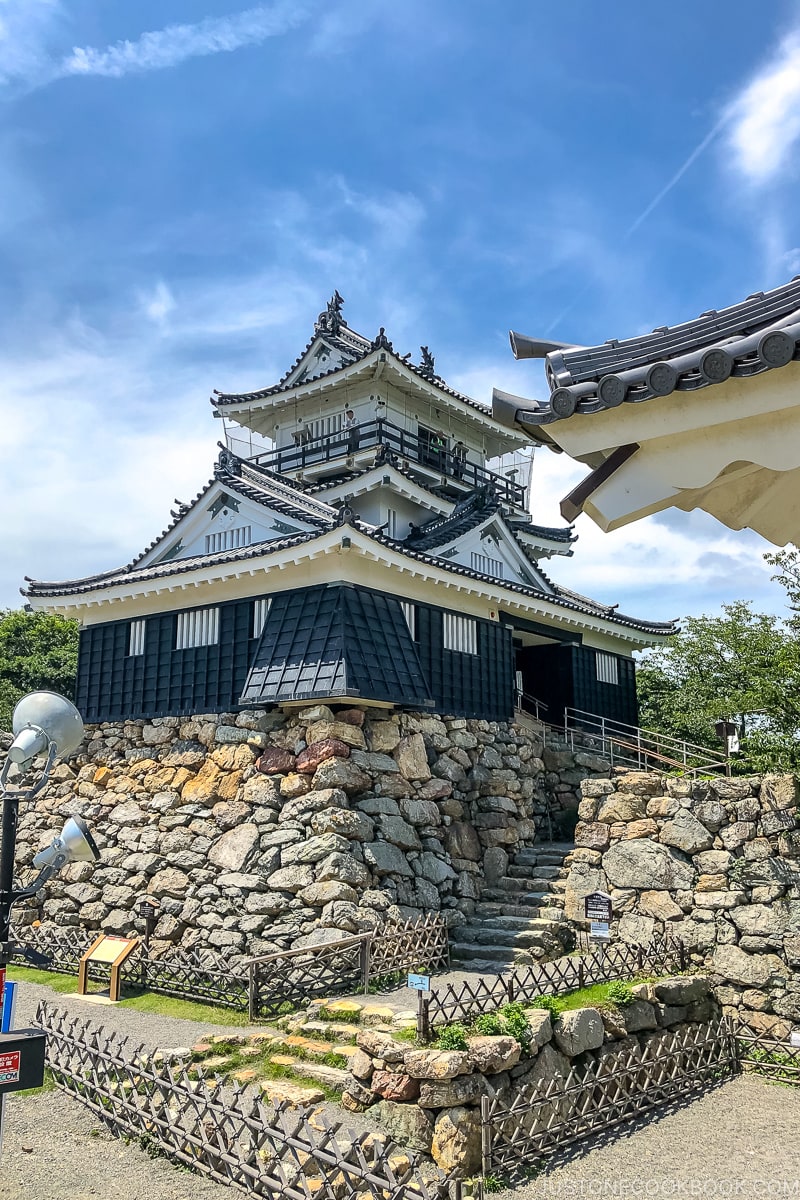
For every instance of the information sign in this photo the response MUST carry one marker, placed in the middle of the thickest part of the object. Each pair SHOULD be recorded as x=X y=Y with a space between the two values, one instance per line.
x=421 y=983
x=600 y=930
x=794 y=1037
x=108 y=949
x=597 y=907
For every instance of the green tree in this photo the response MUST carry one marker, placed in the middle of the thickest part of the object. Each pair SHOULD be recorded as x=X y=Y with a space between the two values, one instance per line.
x=739 y=666
x=37 y=650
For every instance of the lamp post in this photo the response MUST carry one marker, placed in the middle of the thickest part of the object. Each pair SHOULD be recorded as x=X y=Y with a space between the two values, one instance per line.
x=43 y=723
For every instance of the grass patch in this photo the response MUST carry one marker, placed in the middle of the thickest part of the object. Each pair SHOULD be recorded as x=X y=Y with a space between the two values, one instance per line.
x=49 y=1085
x=600 y=995
x=146 y=1002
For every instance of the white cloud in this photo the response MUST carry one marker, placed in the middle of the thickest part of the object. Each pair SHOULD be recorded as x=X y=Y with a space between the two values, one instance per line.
x=765 y=116
x=24 y=28
x=159 y=303
x=174 y=44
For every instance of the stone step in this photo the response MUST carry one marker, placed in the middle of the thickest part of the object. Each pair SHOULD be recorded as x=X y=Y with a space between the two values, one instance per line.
x=516 y=896
x=532 y=858
x=341 y=1031
x=485 y=937
x=487 y=909
x=332 y=1077
x=469 y=952
x=545 y=872
x=512 y=883
x=535 y=873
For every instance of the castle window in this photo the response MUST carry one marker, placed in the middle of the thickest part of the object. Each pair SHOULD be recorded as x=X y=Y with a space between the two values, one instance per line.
x=607 y=667
x=228 y=539
x=260 y=614
x=487 y=565
x=198 y=627
x=391 y=524
x=136 y=638
x=460 y=633
x=410 y=614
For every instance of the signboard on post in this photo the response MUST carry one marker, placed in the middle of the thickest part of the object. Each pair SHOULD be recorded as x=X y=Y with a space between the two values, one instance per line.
x=597 y=907
x=420 y=983
x=107 y=949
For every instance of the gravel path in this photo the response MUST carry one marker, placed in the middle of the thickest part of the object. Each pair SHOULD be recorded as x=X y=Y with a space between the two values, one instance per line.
x=148 y=1029
x=742 y=1140
x=70 y=1156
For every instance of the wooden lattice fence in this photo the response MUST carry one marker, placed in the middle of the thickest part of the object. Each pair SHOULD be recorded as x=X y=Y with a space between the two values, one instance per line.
x=612 y=1087
x=266 y=985
x=227 y=1133
x=602 y=963
x=197 y=975
x=765 y=1055
x=294 y=977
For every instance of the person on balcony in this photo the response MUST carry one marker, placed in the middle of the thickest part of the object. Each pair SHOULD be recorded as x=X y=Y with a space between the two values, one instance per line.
x=459 y=454
x=352 y=431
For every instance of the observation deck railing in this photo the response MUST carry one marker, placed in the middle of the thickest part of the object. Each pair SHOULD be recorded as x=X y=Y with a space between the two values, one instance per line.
x=429 y=452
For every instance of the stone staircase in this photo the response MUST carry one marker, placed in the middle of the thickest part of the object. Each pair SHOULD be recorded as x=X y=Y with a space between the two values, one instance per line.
x=520 y=917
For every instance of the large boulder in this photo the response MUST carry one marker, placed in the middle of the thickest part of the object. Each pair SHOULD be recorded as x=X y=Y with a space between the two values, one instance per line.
x=492 y=1054
x=640 y=863
x=579 y=1030
x=582 y=881
x=748 y=970
x=233 y=849
x=355 y=826
x=686 y=833
x=407 y=1124
x=436 y=1064
x=386 y=859
x=456 y=1142
x=412 y=758
x=341 y=773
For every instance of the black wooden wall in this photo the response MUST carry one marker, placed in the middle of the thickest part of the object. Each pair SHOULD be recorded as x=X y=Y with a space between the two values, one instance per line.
x=163 y=681
x=566 y=677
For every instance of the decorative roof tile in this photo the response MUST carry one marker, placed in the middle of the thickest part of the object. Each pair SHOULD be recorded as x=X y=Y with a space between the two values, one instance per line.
x=746 y=339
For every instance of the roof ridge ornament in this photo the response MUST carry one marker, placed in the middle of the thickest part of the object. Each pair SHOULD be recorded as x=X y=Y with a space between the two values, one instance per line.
x=227 y=463
x=427 y=364
x=331 y=320
x=381 y=342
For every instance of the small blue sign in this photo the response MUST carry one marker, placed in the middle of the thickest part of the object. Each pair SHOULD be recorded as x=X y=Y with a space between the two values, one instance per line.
x=600 y=931
x=9 y=1004
x=421 y=983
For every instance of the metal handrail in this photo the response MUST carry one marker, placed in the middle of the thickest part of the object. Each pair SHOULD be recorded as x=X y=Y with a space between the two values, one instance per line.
x=408 y=445
x=634 y=744
x=538 y=705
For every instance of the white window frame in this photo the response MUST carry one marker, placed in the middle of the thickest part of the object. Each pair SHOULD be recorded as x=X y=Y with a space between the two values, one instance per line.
x=607 y=667
x=136 y=635
x=197 y=627
x=391 y=522
x=410 y=614
x=460 y=634
x=486 y=565
x=261 y=609
x=229 y=539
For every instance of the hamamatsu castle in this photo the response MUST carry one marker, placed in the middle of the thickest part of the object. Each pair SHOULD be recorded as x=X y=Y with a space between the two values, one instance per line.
x=379 y=550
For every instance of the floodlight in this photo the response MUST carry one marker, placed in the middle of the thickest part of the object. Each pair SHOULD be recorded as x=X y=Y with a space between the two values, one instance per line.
x=44 y=721
x=74 y=844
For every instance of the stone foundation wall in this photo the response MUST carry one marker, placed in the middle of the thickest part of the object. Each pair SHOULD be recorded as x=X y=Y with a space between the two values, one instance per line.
x=715 y=862
x=429 y=1099
x=257 y=829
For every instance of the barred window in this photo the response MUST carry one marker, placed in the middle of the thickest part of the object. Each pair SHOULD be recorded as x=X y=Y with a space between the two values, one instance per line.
x=607 y=667
x=136 y=638
x=260 y=614
x=198 y=627
x=460 y=633
x=487 y=565
x=228 y=539
x=410 y=614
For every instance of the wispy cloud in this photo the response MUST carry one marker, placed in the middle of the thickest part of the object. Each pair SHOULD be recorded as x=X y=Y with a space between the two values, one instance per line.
x=765 y=116
x=174 y=44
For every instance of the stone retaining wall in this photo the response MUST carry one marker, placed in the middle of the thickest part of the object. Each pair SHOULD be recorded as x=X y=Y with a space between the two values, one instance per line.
x=429 y=1099
x=715 y=862
x=250 y=827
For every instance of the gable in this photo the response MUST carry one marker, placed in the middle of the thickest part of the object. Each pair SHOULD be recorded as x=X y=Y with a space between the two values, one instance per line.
x=321 y=357
x=491 y=549
x=220 y=521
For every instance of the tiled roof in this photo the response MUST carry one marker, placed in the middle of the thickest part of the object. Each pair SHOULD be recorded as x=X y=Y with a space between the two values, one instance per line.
x=258 y=484
x=757 y=335
x=466 y=515
x=561 y=534
x=354 y=347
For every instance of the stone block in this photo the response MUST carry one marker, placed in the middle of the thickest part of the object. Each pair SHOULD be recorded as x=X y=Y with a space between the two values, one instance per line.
x=386 y=859
x=748 y=970
x=339 y=773
x=235 y=847
x=490 y=1054
x=342 y=731
x=644 y=864
x=578 y=1030
x=686 y=833
x=593 y=836
x=412 y=758
x=456 y=1145
x=309 y=759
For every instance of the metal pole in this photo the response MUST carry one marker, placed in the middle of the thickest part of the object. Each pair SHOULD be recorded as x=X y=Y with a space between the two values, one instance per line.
x=7 y=850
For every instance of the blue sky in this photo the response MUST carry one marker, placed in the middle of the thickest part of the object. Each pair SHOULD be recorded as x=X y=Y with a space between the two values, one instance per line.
x=182 y=185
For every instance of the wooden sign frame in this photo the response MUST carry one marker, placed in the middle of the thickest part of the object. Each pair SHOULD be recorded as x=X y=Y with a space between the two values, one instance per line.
x=125 y=947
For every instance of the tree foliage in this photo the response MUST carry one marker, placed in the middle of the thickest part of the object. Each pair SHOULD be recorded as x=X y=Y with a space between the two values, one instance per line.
x=37 y=650
x=739 y=666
